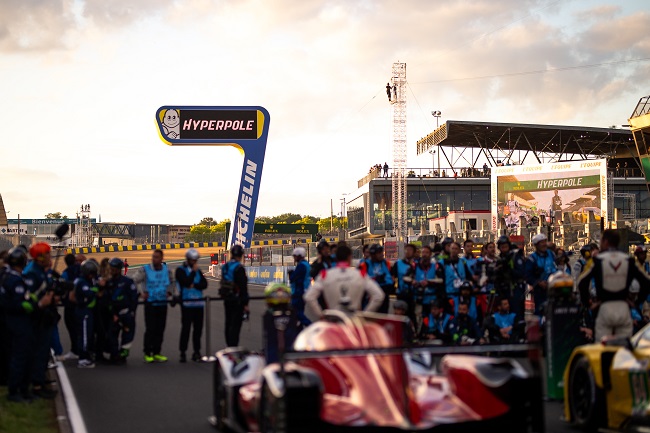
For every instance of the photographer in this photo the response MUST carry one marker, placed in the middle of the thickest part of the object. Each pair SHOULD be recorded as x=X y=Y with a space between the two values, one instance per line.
x=379 y=270
x=454 y=271
x=510 y=283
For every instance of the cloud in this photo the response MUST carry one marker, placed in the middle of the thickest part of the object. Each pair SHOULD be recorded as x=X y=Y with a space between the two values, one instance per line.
x=33 y=25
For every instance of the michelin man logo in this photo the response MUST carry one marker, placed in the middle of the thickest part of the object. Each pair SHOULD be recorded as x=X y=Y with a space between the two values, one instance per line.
x=171 y=123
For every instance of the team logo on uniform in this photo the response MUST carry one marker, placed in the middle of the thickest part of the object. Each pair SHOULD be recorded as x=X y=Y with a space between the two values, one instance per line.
x=615 y=267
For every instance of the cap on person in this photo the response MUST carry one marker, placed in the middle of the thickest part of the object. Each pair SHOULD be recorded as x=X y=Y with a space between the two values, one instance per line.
x=375 y=249
x=299 y=252
x=192 y=254
x=538 y=238
x=400 y=305
x=640 y=249
x=237 y=251
x=39 y=249
x=116 y=263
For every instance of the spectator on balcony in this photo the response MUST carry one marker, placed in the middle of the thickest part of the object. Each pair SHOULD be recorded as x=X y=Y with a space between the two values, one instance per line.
x=486 y=169
x=618 y=169
x=444 y=174
x=385 y=169
x=435 y=173
x=625 y=169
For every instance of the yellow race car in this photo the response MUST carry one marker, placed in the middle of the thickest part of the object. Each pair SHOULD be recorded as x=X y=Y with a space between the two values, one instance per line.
x=606 y=385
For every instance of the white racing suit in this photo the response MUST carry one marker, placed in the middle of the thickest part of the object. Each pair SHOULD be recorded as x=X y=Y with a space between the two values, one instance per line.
x=612 y=272
x=343 y=288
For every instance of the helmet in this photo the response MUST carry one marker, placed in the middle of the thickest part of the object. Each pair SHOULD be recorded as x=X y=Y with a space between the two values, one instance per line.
x=39 y=249
x=560 y=283
x=17 y=257
x=503 y=240
x=299 y=252
x=237 y=251
x=585 y=251
x=635 y=287
x=322 y=244
x=192 y=254
x=538 y=238
x=277 y=294
x=89 y=268
x=375 y=249
x=116 y=263
x=400 y=305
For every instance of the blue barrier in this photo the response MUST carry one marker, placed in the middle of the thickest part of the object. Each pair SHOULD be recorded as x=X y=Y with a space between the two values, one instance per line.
x=267 y=274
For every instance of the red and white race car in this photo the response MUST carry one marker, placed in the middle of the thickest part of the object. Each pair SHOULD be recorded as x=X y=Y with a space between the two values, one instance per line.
x=346 y=373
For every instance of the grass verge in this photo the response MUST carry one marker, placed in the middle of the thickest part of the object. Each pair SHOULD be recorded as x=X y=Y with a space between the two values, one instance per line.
x=36 y=417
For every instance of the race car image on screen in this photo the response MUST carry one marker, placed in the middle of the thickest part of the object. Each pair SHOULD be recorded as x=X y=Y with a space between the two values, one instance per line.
x=346 y=373
x=607 y=384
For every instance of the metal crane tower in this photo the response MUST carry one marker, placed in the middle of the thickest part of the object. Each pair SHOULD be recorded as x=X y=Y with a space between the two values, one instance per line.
x=398 y=102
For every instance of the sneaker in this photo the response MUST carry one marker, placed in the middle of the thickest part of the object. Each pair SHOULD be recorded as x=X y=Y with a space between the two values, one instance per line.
x=51 y=364
x=68 y=356
x=85 y=363
x=159 y=358
x=196 y=357
x=183 y=357
x=124 y=353
x=148 y=359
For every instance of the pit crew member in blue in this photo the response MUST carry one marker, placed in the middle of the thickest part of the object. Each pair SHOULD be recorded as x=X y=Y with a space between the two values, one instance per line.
x=123 y=303
x=19 y=305
x=191 y=283
x=612 y=272
x=539 y=266
x=300 y=282
x=379 y=270
x=234 y=291
x=157 y=286
x=38 y=279
x=85 y=290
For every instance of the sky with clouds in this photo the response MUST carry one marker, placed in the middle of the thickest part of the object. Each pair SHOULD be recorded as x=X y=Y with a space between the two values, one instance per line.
x=81 y=82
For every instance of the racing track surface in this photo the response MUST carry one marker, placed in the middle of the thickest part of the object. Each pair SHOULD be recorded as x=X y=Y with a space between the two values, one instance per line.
x=171 y=397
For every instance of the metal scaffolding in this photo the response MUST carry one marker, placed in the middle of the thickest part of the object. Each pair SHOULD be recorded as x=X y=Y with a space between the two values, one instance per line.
x=398 y=102
x=83 y=236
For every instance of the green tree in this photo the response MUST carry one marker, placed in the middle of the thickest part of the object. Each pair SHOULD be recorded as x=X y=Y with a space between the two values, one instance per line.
x=219 y=227
x=207 y=221
x=55 y=216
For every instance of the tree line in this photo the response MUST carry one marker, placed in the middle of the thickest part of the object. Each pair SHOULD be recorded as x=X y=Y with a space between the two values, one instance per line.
x=208 y=229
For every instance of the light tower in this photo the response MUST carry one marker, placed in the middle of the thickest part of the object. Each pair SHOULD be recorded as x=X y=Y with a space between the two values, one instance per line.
x=398 y=102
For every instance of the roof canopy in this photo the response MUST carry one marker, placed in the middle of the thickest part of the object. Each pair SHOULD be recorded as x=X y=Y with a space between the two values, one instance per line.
x=586 y=142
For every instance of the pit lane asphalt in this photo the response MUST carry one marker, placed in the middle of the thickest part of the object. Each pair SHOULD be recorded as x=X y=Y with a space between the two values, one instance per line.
x=173 y=397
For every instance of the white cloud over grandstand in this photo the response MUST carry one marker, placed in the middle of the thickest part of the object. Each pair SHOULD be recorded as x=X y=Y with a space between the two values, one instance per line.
x=82 y=81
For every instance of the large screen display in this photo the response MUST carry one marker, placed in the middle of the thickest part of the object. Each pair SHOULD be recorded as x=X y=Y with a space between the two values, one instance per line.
x=526 y=194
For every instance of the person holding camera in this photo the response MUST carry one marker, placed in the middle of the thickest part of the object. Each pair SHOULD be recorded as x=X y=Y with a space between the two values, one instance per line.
x=454 y=271
x=122 y=305
x=511 y=283
x=426 y=285
x=403 y=271
x=156 y=286
x=191 y=283
x=234 y=291
x=379 y=270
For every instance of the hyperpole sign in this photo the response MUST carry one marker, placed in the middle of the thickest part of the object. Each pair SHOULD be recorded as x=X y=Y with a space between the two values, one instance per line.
x=246 y=128
x=548 y=191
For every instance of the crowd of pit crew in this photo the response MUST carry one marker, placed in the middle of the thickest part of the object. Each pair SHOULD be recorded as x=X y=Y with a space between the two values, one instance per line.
x=453 y=296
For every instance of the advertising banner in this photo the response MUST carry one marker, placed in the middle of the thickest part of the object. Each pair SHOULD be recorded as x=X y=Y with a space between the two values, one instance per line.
x=526 y=194
x=246 y=128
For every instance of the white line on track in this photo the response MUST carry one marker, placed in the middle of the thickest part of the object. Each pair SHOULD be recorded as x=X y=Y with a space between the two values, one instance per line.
x=74 y=413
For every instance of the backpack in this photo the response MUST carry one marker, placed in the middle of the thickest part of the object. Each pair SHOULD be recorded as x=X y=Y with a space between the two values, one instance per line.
x=228 y=290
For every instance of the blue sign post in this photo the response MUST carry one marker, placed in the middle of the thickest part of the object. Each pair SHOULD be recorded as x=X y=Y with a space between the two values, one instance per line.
x=246 y=128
